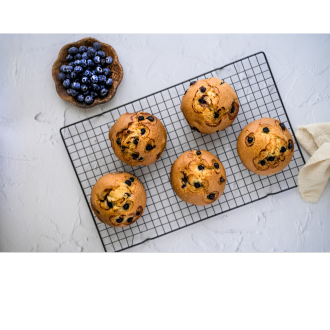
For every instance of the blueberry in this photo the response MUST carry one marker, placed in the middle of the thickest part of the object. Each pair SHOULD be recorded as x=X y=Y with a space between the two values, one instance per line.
x=98 y=70
x=93 y=72
x=66 y=83
x=90 y=63
x=262 y=163
x=126 y=206
x=216 y=115
x=101 y=86
x=290 y=146
x=83 y=63
x=97 y=45
x=282 y=126
x=138 y=213
x=84 y=56
x=132 y=179
x=69 y=91
x=283 y=149
x=271 y=159
x=183 y=186
x=73 y=50
x=110 y=205
x=63 y=68
x=84 y=79
x=103 y=92
x=197 y=184
x=94 y=79
x=84 y=88
x=61 y=76
x=76 y=62
x=87 y=93
x=143 y=131
x=71 y=63
x=128 y=182
x=89 y=99
x=91 y=52
x=88 y=73
x=78 y=69
x=136 y=141
x=202 y=101
x=149 y=147
x=80 y=98
x=94 y=94
x=77 y=57
x=202 y=89
x=118 y=141
x=192 y=82
x=109 y=82
x=97 y=59
x=102 y=61
x=73 y=75
x=198 y=152
x=82 y=49
x=141 y=158
x=101 y=53
x=102 y=79
x=232 y=110
x=108 y=60
x=201 y=167
x=135 y=156
x=120 y=220
x=266 y=130
x=140 y=118
x=95 y=87
x=75 y=86
x=151 y=118
x=211 y=196
x=74 y=93
x=222 y=179
x=69 y=58
x=216 y=165
x=106 y=71
x=130 y=219
x=250 y=139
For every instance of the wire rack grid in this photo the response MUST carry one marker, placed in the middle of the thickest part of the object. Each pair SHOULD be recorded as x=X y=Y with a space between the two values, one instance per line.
x=91 y=154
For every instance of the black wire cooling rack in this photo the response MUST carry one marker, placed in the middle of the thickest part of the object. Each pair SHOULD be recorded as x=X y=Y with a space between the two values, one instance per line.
x=91 y=155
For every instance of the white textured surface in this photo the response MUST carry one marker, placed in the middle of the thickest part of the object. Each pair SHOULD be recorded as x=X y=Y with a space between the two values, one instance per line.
x=41 y=204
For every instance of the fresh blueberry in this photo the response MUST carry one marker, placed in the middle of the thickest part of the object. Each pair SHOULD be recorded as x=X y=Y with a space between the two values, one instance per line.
x=87 y=93
x=97 y=59
x=91 y=52
x=69 y=68
x=73 y=75
x=78 y=69
x=93 y=72
x=69 y=58
x=108 y=60
x=103 y=92
x=66 y=83
x=77 y=57
x=109 y=82
x=61 y=76
x=95 y=87
x=102 y=61
x=94 y=94
x=97 y=45
x=84 y=56
x=71 y=63
x=88 y=73
x=82 y=49
x=73 y=50
x=63 y=68
x=102 y=86
x=74 y=93
x=106 y=71
x=101 y=53
x=90 y=63
x=69 y=91
x=102 y=79
x=84 y=88
x=75 y=86
x=89 y=99
x=68 y=75
x=98 y=70
x=77 y=62
x=84 y=80
x=94 y=79
x=80 y=98
x=83 y=63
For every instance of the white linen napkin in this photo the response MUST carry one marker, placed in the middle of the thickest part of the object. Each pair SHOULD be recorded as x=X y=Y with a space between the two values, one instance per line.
x=313 y=177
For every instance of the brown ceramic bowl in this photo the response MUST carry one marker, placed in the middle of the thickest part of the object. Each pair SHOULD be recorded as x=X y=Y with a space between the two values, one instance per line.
x=116 y=72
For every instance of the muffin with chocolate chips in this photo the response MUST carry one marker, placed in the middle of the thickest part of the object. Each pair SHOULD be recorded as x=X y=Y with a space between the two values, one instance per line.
x=138 y=138
x=198 y=177
x=210 y=105
x=118 y=199
x=265 y=146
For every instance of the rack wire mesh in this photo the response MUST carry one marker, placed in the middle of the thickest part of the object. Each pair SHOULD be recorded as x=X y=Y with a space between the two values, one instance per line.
x=91 y=154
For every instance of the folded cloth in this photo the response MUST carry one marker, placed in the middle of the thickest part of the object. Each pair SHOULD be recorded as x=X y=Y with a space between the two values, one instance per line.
x=313 y=177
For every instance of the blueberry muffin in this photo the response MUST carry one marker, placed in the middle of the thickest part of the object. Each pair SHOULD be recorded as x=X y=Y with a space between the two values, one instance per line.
x=118 y=199
x=265 y=146
x=210 y=105
x=198 y=177
x=138 y=138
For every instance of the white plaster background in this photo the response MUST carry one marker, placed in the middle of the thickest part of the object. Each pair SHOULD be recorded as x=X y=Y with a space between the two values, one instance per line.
x=41 y=204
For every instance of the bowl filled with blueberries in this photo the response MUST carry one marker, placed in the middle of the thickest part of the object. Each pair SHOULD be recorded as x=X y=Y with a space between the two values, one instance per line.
x=87 y=73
